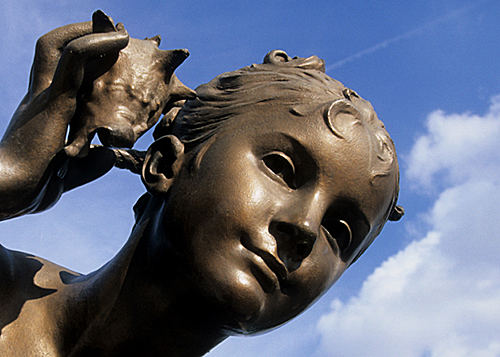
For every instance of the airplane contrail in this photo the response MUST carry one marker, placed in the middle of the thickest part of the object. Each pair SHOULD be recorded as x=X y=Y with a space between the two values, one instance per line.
x=403 y=36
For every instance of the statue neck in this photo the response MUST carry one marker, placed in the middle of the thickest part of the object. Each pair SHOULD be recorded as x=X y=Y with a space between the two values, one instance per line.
x=151 y=309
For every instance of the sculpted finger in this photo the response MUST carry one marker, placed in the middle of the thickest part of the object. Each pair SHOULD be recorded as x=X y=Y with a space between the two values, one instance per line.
x=53 y=45
x=48 y=51
x=102 y=22
x=80 y=145
x=70 y=70
x=97 y=44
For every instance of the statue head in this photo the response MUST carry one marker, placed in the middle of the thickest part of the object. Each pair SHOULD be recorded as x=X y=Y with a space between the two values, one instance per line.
x=273 y=181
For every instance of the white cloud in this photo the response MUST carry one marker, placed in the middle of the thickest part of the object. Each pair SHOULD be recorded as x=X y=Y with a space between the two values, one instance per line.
x=440 y=295
x=457 y=145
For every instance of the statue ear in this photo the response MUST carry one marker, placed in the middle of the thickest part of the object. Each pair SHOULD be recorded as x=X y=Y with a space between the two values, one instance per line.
x=162 y=164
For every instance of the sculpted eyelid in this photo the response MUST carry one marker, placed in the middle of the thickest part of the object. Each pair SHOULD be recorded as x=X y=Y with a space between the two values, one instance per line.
x=302 y=163
x=353 y=215
x=281 y=168
x=303 y=159
x=349 y=230
x=342 y=237
x=283 y=156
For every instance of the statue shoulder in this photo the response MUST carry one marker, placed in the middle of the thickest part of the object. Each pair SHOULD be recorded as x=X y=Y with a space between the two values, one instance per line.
x=25 y=277
x=34 y=295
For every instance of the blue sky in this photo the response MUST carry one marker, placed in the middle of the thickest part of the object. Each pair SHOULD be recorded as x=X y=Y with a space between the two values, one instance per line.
x=430 y=284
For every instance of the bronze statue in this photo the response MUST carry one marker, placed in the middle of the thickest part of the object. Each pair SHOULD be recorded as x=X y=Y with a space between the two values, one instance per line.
x=263 y=187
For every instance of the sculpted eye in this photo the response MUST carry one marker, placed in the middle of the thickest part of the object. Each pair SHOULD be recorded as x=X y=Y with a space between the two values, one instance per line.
x=339 y=234
x=281 y=166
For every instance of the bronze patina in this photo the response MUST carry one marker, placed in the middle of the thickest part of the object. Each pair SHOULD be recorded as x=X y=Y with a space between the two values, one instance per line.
x=263 y=186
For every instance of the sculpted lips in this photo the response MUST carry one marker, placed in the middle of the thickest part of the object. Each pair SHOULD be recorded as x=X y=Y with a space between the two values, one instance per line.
x=270 y=272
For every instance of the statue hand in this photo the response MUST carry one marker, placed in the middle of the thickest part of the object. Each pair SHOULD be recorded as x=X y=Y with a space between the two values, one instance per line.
x=92 y=78
x=56 y=76
x=37 y=131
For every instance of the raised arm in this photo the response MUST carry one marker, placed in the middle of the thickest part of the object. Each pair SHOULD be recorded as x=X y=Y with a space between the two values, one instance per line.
x=95 y=79
x=31 y=155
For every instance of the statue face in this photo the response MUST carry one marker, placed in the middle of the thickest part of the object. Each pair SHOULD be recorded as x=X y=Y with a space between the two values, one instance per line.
x=272 y=211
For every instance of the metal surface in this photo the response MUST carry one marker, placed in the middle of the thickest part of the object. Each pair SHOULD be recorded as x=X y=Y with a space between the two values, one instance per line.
x=263 y=187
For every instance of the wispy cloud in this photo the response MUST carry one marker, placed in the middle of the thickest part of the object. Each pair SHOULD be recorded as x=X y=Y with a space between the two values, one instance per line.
x=404 y=36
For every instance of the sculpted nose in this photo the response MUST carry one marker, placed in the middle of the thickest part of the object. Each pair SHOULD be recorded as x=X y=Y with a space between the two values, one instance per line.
x=294 y=241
